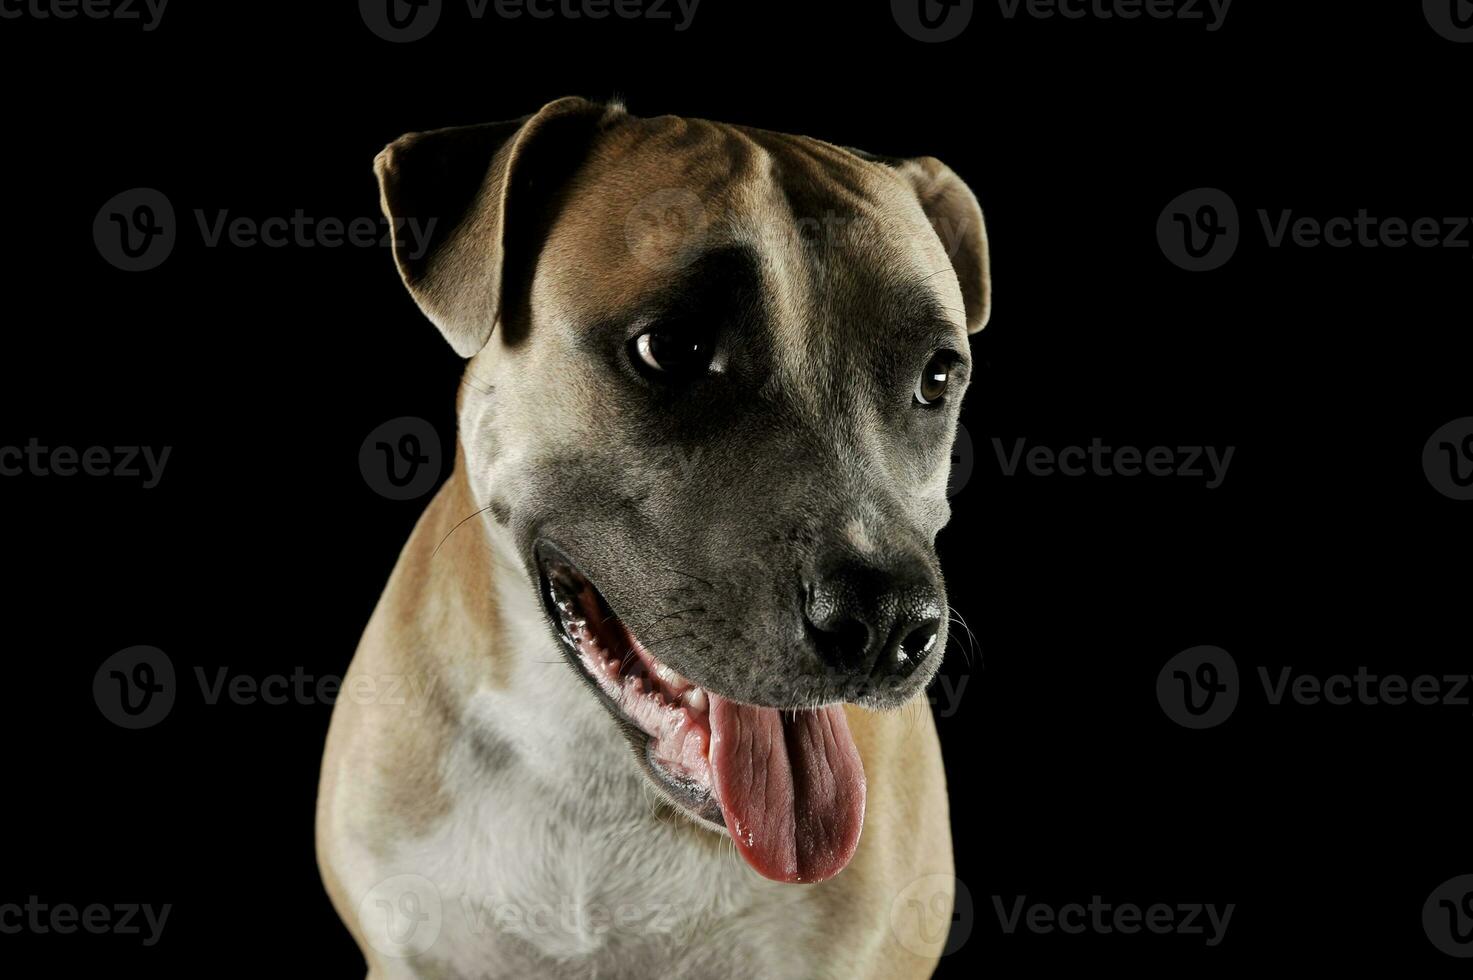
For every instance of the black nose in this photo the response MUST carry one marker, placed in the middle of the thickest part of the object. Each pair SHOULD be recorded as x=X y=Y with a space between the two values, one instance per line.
x=871 y=622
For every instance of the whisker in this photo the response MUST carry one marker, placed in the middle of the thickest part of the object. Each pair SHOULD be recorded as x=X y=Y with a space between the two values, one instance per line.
x=467 y=378
x=954 y=615
x=913 y=712
x=688 y=575
x=457 y=528
x=650 y=646
x=680 y=612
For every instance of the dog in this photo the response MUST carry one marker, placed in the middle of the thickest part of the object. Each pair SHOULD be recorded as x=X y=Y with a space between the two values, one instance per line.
x=666 y=629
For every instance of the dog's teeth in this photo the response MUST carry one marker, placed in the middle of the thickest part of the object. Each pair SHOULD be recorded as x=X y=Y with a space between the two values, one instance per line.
x=695 y=699
x=669 y=676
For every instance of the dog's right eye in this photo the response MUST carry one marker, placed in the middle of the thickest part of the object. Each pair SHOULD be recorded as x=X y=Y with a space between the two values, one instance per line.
x=670 y=354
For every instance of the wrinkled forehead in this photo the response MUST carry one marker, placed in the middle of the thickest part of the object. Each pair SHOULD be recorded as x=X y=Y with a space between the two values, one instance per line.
x=820 y=237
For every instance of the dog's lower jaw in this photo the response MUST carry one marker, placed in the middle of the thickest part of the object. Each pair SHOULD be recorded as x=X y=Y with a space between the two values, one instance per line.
x=561 y=732
x=558 y=731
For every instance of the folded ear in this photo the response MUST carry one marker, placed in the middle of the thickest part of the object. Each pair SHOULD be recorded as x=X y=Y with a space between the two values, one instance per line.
x=462 y=200
x=955 y=216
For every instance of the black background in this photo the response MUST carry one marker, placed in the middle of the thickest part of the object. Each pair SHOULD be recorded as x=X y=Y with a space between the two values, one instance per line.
x=263 y=550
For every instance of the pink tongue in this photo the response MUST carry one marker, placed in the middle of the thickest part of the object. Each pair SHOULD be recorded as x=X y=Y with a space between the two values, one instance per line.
x=791 y=787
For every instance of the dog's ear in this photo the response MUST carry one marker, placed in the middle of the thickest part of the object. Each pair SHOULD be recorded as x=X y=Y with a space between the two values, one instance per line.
x=953 y=212
x=463 y=201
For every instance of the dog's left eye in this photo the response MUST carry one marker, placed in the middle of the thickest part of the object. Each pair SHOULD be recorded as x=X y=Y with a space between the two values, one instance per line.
x=931 y=385
x=672 y=354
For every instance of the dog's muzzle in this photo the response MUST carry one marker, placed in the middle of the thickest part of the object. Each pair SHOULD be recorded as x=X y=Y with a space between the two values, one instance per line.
x=787 y=784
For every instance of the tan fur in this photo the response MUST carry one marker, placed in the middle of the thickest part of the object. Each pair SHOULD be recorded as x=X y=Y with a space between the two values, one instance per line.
x=433 y=786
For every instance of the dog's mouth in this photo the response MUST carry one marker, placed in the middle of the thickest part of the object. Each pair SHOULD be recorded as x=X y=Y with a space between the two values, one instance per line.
x=788 y=785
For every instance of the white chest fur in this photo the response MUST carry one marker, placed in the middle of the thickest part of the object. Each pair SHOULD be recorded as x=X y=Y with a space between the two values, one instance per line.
x=553 y=860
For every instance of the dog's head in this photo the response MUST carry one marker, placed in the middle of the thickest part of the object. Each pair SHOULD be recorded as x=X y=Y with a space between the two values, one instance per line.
x=714 y=382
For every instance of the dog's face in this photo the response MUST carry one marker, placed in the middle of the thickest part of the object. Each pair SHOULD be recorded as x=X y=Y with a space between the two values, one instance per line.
x=714 y=418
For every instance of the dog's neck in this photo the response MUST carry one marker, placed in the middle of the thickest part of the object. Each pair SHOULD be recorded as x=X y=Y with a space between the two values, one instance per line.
x=533 y=756
x=520 y=704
